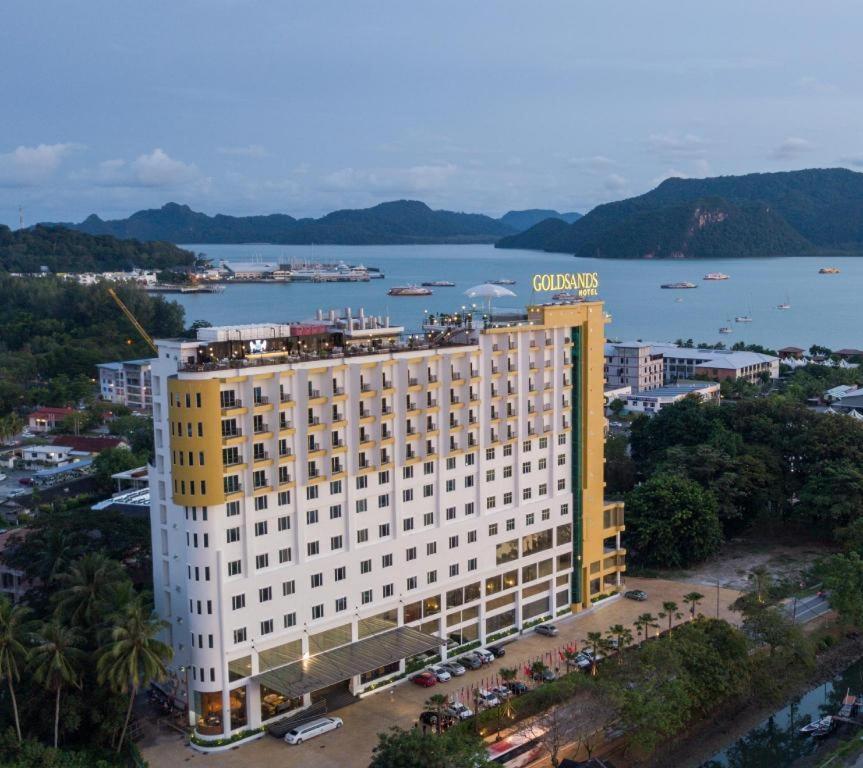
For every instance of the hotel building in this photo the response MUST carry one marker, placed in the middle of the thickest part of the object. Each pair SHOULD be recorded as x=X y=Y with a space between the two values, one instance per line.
x=332 y=498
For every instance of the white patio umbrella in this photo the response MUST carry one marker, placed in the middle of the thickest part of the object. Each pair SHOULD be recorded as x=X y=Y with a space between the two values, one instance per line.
x=488 y=291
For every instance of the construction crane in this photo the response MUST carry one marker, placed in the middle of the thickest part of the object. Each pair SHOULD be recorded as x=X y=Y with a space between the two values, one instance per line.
x=132 y=319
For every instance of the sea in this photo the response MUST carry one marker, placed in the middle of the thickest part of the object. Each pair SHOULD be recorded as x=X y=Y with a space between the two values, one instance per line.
x=825 y=309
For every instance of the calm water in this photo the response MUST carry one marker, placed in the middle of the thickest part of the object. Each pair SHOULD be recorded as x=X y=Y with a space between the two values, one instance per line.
x=776 y=743
x=826 y=309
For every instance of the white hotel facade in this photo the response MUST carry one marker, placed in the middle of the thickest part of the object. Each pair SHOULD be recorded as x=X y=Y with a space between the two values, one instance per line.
x=331 y=498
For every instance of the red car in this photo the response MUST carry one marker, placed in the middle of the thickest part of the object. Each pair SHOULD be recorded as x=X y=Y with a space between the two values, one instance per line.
x=425 y=679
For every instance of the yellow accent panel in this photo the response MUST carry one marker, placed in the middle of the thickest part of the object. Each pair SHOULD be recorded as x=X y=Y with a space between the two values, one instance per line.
x=209 y=443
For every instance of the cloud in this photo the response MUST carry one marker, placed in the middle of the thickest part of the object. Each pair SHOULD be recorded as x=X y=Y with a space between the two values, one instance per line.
x=250 y=150
x=31 y=166
x=856 y=162
x=156 y=169
x=668 y=145
x=811 y=83
x=614 y=182
x=417 y=178
x=701 y=167
x=790 y=148
x=593 y=164
x=671 y=173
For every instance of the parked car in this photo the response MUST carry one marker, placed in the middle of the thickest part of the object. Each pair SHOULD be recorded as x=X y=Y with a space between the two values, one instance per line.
x=470 y=662
x=315 y=728
x=517 y=687
x=582 y=661
x=486 y=657
x=497 y=650
x=430 y=718
x=549 y=630
x=14 y=494
x=501 y=691
x=487 y=699
x=636 y=594
x=454 y=668
x=459 y=711
x=546 y=676
x=424 y=679
x=441 y=675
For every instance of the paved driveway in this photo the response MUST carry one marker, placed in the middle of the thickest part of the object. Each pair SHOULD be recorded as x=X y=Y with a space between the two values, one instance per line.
x=351 y=746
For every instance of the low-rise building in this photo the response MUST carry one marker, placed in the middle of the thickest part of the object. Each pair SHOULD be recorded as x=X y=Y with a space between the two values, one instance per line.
x=47 y=419
x=48 y=455
x=793 y=353
x=127 y=382
x=634 y=364
x=656 y=399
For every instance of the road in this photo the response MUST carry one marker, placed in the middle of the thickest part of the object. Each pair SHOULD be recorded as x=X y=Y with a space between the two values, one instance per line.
x=807 y=608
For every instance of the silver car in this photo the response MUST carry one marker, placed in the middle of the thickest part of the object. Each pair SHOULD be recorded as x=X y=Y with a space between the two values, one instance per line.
x=454 y=668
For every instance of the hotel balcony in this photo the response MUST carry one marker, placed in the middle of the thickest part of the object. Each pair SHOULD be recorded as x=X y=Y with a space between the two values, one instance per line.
x=233 y=405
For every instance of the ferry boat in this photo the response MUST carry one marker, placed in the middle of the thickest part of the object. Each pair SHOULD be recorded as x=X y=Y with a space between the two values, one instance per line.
x=828 y=271
x=409 y=290
x=504 y=281
x=743 y=319
x=715 y=276
x=726 y=329
x=678 y=285
x=439 y=284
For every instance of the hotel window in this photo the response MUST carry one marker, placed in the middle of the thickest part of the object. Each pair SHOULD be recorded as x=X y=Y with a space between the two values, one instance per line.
x=431 y=548
x=336 y=487
x=313 y=548
x=311 y=516
x=564 y=510
x=262 y=561
x=290 y=620
x=232 y=508
x=471 y=537
x=336 y=542
x=288 y=588
x=366 y=596
x=470 y=459
x=428 y=490
x=561 y=484
x=489 y=475
x=526 y=494
x=386 y=560
x=408 y=524
x=284 y=523
x=232 y=534
x=542 y=464
x=335 y=511
x=543 y=489
x=546 y=514
x=312 y=490
x=383 y=477
x=492 y=529
x=284 y=498
x=526 y=446
x=561 y=459
x=468 y=481
x=317 y=612
x=490 y=502
x=468 y=508
x=411 y=582
x=388 y=590
x=472 y=564
x=265 y=594
x=260 y=503
x=450 y=485
x=561 y=439
x=450 y=513
x=428 y=518
x=543 y=442
x=340 y=573
x=431 y=577
x=261 y=528
x=284 y=475
x=411 y=553
x=450 y=462
x=453 y=570
x=525 y=467
x=383 y=500
x=507 y=471
x=317 y=580
x=240 y=635
x=507 y=498
x=407 y=473
x=453 y=542
x=408 y=494
x=529 y=519
x=362 y=535
x=507 y=450
x=489 y=454
x=383 y=530
x=510 y=524
x=365 y=566
x=362 y=505
x=285 y=555
x=341 y=604
x=362 y=482
x=238 y=602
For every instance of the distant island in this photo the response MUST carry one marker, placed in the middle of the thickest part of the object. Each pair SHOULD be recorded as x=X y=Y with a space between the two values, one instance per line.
x=760 y=214
x=393 y=223
x=64 y=250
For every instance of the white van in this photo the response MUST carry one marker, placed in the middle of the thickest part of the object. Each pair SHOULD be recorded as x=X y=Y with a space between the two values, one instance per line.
x=315 y=728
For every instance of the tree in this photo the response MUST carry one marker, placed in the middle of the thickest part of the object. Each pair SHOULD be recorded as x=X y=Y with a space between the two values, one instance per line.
x=113 y=460
x=648 y=621
x=622 y=636
x=15 y=630
x=569 y=655
x=760 y=579
x=555 y=726
x=672 y=521
x=692 y=599
x=399 y=748
x=670 y=611
x=594 y=639
x=134 y=656
x=57 y=663
x=88 y=587
x=537 y=668
x=437 y=702
x=842 y=574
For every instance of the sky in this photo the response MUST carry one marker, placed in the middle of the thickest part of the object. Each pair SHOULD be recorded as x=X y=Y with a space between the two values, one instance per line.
x=262 y=106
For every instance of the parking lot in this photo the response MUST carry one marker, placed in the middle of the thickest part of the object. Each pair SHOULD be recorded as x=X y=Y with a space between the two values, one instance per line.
x=351 y=746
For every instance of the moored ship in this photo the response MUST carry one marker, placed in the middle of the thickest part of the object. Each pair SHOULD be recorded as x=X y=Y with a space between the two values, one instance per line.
x=828 y=271
x=715 y=276
x=678 y=285
x=438 y=284
x=408 y=290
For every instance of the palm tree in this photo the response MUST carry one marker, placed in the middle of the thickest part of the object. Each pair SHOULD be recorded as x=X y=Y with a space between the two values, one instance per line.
x=623 y=636
x=593 y=639
x=437 y=703
x=133 y=656
x=57 y=662
x=760 y=578
x=508 y=674
x=15 y=630
x=692 y=599
x=569 y=655
x=648 y=621
x=670 y=610
x=89 y=585
x=537 y=668
x=639 y=626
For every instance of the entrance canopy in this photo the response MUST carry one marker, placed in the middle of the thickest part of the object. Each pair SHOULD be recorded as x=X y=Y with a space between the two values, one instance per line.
x=324 y=669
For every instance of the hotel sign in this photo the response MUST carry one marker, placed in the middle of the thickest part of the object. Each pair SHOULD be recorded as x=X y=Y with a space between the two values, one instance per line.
x=581 y=283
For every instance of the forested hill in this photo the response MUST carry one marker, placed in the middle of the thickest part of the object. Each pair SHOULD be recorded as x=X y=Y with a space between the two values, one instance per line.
x=64 y=250
x=761 y=214
x=522 y=220
x=401 y=221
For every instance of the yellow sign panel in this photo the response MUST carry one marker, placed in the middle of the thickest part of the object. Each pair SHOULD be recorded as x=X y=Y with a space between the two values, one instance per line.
x=581 y=283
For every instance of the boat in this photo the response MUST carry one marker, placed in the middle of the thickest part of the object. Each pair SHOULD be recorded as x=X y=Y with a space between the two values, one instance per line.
x=743 y=319
x=726 y=329
x=715 y=276
x=502 y=282
x=819 y=728
x=327 y=273
x=678 y=285
x=828 y=271
x=439 y=283
x=408 y=290
x=566 y=296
